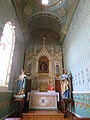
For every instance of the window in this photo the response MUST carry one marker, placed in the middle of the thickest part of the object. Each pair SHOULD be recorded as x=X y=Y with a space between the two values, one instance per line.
x=45 y=2
x=7 y=44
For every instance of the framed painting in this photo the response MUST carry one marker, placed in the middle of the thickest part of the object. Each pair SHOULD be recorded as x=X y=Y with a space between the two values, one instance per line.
x=43 y=64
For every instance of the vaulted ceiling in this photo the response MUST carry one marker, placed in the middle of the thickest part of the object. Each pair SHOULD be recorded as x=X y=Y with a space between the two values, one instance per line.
x=49 y=21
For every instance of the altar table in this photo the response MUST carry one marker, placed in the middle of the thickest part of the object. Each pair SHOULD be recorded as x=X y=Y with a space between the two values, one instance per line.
x=43 y=100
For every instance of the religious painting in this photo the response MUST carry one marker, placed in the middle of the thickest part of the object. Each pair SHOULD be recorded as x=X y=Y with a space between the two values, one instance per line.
x=30 y=68
x=43 y=64
x=57 y=69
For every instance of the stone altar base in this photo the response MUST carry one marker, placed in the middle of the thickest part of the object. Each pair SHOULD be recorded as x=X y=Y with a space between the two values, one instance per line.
x=43 y=115
x=43 y=100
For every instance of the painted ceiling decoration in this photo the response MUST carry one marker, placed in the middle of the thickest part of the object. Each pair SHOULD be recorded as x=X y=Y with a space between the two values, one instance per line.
x=35 y=16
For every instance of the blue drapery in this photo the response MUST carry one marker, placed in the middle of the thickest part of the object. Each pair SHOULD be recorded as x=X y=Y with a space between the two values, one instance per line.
x=21 y=84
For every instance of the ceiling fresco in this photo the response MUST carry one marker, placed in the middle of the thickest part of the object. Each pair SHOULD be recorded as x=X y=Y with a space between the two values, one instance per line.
x=39 y=19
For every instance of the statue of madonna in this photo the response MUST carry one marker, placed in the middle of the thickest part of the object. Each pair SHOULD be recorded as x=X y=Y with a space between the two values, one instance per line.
x=21 y=81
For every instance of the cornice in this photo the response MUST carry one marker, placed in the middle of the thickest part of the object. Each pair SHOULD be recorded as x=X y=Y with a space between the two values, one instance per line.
x=69 y=19
x=21 y=20
x=19 y=14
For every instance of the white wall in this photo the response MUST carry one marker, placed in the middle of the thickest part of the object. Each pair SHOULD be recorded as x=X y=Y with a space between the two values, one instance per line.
x=76 y=47
x=7 y=13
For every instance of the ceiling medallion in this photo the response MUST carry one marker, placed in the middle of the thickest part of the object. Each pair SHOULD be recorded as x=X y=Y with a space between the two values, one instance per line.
x=49 y=4
x=27 y=10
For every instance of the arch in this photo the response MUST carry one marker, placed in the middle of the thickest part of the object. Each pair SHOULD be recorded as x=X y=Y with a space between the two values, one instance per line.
x=44 y=52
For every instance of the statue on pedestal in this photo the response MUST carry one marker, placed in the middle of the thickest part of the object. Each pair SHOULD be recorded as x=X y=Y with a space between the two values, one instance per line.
x=65 y=85
x=21 y=81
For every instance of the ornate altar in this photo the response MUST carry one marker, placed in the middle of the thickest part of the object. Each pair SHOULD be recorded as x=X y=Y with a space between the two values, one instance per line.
x=43 y=64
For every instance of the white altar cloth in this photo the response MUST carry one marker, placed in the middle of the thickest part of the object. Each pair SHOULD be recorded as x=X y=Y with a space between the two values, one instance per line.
x=43 y=100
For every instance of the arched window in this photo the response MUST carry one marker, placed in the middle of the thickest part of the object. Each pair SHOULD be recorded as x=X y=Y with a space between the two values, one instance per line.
x=7 y=44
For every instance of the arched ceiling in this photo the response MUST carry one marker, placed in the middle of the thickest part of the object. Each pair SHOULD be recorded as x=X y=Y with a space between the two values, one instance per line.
x=44 y=20
x=47 y=34
x=50 y=19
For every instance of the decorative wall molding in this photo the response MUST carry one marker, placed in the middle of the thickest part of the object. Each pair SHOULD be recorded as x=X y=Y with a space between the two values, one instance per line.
x=80 y=91
x=77 y=117
x=68 y=21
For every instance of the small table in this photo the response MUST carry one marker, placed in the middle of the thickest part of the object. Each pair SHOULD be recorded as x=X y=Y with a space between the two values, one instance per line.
x=65 y=103
x=21 y=102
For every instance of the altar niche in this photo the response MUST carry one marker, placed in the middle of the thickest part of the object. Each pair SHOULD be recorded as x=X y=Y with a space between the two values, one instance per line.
x=43 y=65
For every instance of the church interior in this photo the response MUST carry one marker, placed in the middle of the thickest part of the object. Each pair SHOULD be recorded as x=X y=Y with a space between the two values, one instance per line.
x=45 y=59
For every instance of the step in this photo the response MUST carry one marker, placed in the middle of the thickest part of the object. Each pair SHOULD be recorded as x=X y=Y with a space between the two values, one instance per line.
x=12 y=119
x=43 y=115
x=66 y=119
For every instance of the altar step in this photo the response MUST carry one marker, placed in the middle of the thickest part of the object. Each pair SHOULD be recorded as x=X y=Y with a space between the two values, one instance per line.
x=67 y=119
x=43 y=115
